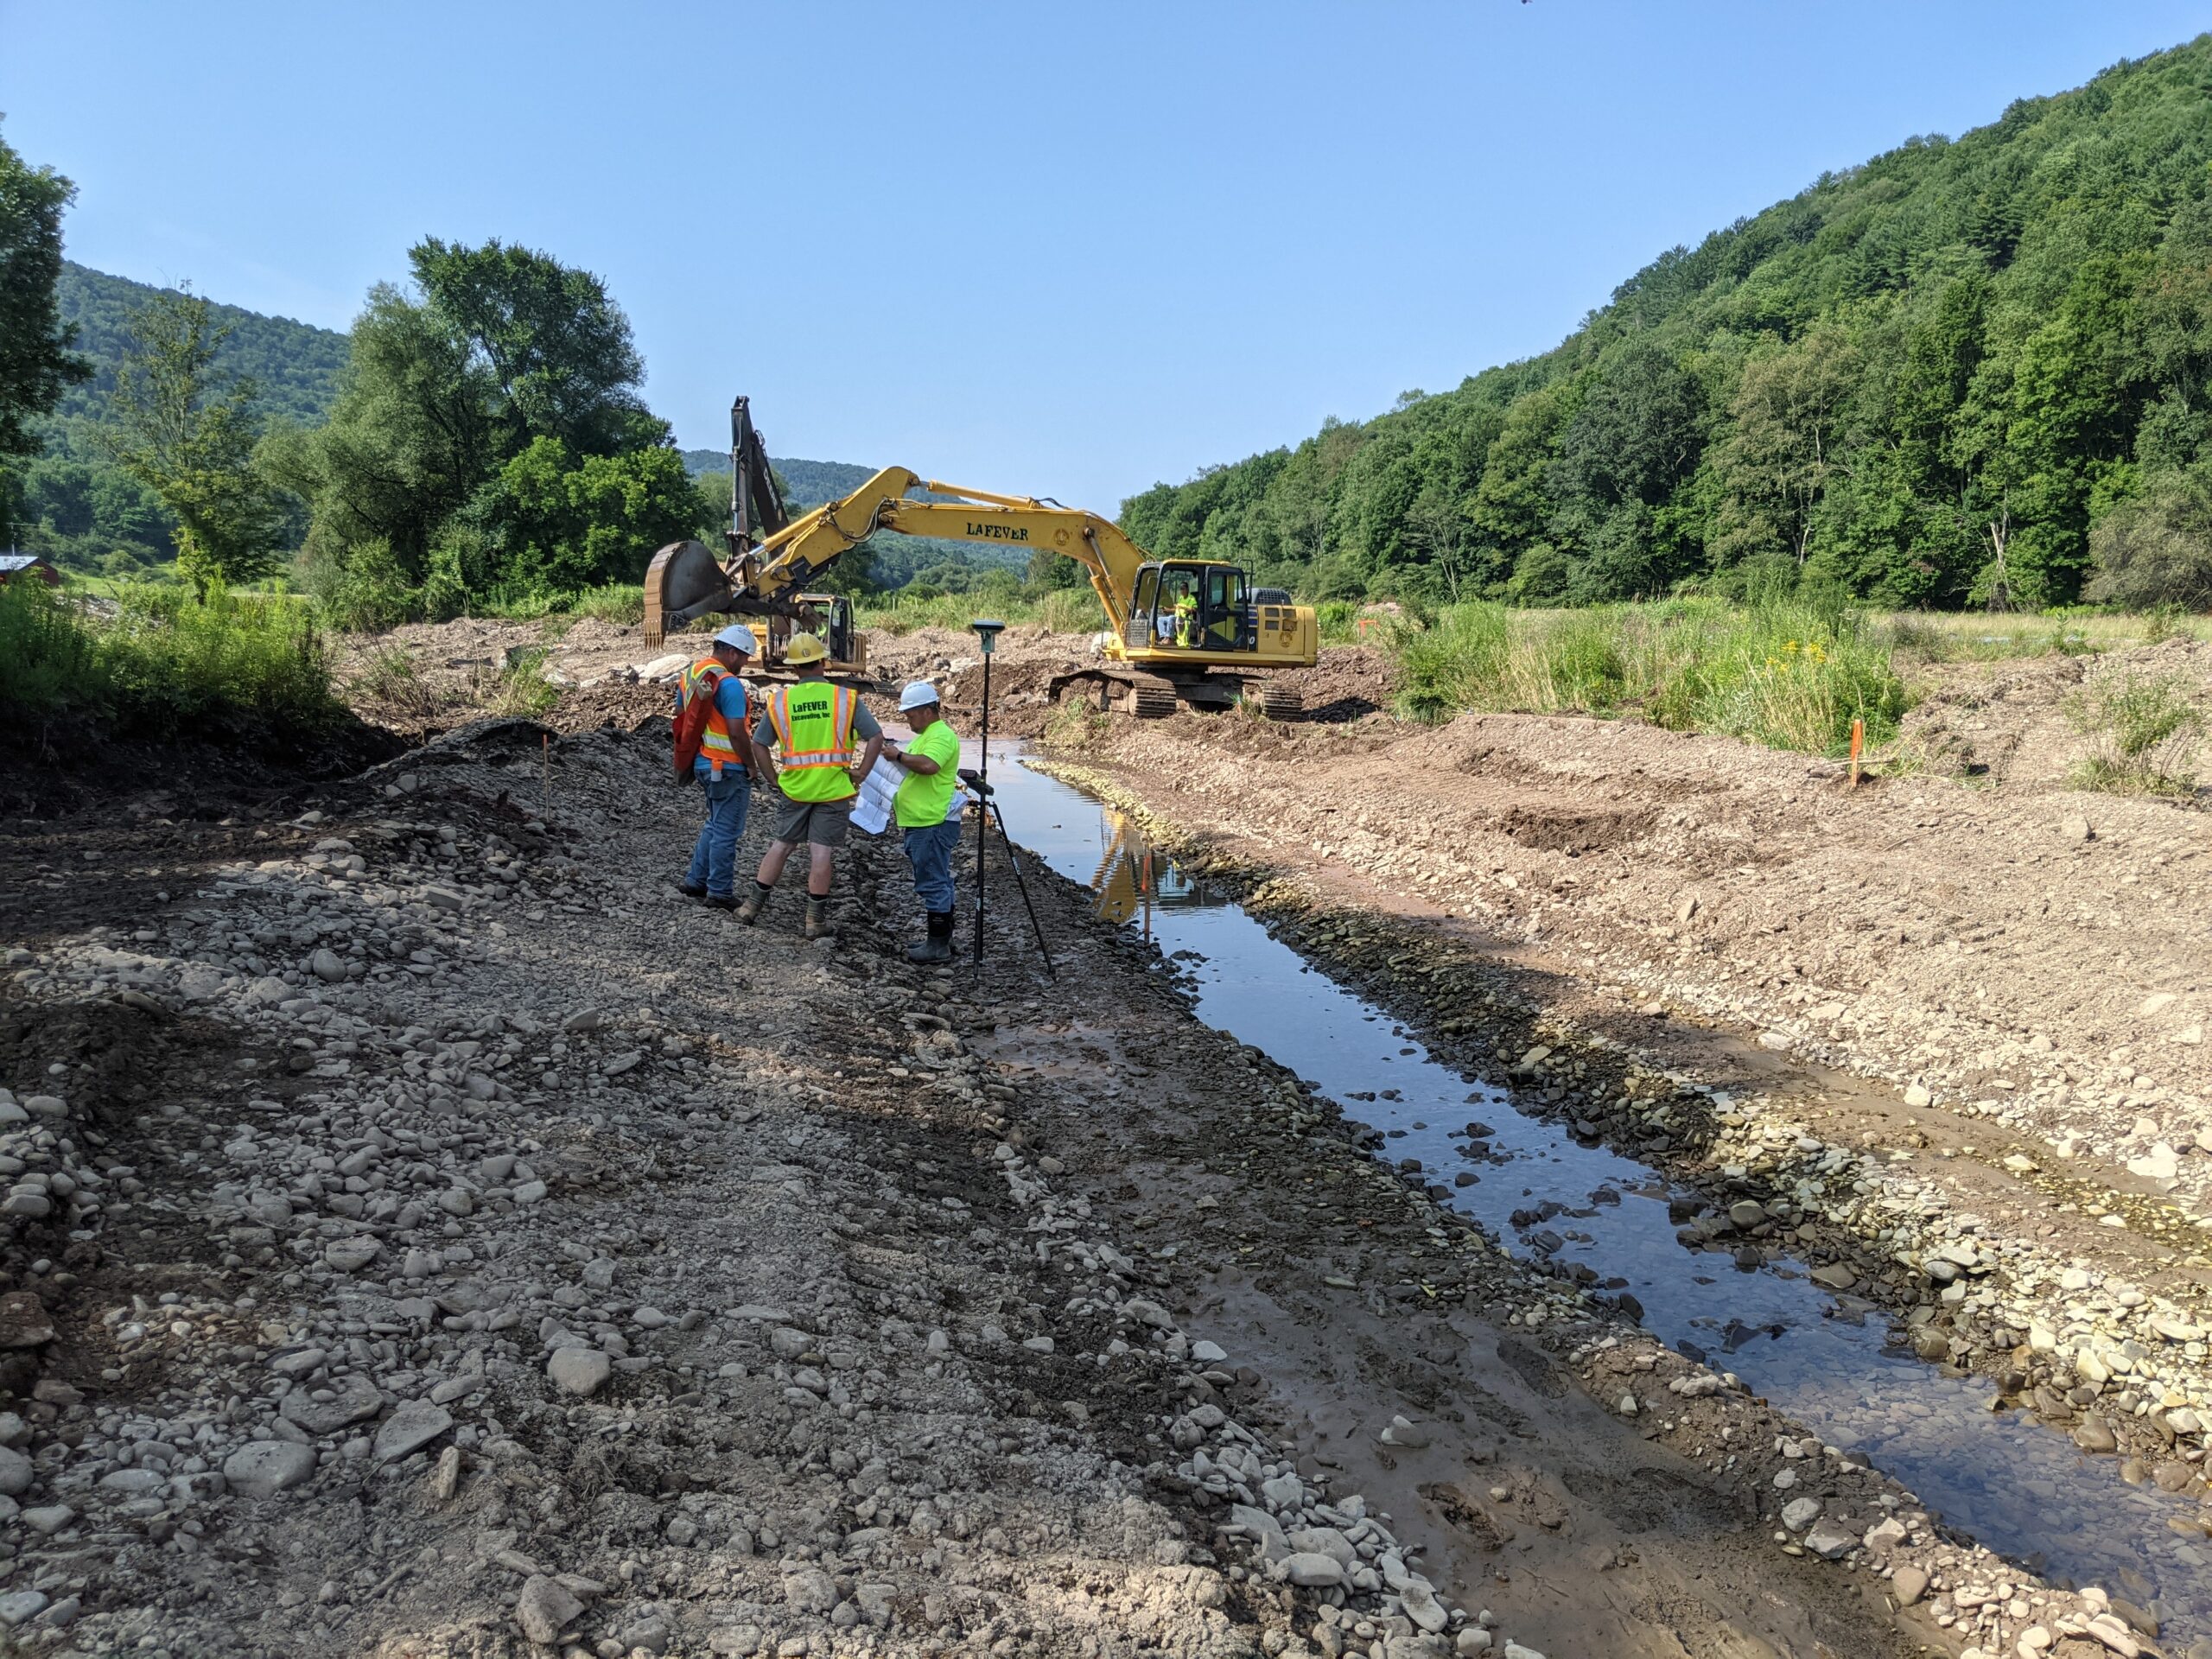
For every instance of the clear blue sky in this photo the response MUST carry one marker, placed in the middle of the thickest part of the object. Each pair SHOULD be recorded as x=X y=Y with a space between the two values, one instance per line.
x=1060 y=249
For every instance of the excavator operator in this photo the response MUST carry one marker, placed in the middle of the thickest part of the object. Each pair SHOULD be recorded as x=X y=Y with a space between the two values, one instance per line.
x=1187 y=617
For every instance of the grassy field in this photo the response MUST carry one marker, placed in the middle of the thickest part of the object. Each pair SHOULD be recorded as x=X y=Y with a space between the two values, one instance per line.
x=1969 y=636
x=155 y=661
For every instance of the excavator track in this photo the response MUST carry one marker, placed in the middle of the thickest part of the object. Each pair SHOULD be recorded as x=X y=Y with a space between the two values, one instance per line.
x=1282 y=702
x=1152 y=699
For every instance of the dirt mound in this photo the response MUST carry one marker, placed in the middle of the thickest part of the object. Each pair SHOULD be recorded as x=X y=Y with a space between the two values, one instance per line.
x=1348 y=682
x=219 y=764
x=2020 y=723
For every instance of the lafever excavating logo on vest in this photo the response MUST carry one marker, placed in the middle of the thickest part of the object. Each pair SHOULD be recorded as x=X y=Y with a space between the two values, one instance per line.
x=718 y=745
x=813 y=723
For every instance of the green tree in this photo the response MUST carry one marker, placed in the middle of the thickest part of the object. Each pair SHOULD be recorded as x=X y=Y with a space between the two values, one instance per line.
x=412 y=435
x=36 y=366
x=1777 y=464
x=555 y=341
x=560 y=523
x=2156 y=550
x=1634 y=441
x=187 y=434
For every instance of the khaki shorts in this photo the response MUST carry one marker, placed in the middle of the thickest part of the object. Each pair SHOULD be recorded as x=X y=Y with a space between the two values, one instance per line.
x=818 y=823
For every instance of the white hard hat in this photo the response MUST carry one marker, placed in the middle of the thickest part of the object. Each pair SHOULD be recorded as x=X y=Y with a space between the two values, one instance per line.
x=920 y=694
x=738 y=637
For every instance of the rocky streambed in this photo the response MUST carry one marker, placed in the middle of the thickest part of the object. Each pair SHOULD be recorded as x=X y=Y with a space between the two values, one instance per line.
x=426 y=1233
x=2071 y=1347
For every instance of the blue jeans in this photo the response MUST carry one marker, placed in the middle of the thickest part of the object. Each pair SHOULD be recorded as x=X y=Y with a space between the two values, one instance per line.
x=714 y=856
x=929 y=850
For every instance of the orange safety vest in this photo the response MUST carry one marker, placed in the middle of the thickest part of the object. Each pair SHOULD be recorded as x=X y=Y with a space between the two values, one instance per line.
x=718 y=745
x=815 y=740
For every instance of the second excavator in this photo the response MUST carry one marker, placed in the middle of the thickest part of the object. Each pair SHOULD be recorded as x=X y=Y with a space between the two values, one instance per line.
x=1179 y=632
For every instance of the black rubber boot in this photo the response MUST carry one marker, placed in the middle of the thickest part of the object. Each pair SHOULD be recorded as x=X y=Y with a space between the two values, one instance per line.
x=937 y=947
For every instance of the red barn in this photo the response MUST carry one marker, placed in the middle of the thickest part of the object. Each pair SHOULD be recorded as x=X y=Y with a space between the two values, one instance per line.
x=15 y=564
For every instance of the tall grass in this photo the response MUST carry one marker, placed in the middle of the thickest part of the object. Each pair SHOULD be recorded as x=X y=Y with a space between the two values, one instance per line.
x=1062 y=610
x=391 y=680
x=1789 y=676
x=522 y=688
x=156 y=661
x=2143 y=733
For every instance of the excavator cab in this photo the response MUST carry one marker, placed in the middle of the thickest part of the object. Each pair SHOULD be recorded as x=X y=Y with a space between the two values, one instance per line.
x=1219 y=607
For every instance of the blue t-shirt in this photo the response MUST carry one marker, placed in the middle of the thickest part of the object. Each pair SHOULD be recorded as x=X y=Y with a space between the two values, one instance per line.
x=730 y=699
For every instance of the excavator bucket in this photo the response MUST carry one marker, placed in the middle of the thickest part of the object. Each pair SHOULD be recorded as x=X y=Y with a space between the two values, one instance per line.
x=684 y=583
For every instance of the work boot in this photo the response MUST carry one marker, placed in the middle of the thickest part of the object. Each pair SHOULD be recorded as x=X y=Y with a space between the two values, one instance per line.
x=937 y=947
x=818 y=918
x=720 y=901
x=755 y=902
x=691 y=891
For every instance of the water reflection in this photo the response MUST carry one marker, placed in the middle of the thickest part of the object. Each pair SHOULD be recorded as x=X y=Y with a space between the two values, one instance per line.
x=1133 y=877
x=2021 y=1489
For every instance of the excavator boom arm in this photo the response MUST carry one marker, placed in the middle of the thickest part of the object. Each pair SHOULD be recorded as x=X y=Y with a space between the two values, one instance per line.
x=811 y=543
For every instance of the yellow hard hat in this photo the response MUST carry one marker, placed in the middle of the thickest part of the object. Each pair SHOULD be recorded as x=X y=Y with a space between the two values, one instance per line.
x=805 y=648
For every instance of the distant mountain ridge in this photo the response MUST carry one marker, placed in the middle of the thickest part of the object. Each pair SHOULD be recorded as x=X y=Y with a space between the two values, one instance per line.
x=811 y=482
x=295 y=365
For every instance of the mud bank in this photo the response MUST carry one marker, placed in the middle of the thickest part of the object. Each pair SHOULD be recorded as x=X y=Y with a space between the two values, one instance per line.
x=1886 y=1243
x=431 y=1235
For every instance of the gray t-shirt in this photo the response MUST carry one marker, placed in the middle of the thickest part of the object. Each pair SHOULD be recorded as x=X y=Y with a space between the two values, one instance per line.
x=865 y=725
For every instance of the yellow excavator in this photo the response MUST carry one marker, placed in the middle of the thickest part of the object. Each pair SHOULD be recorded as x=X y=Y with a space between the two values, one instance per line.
x=1179 y=631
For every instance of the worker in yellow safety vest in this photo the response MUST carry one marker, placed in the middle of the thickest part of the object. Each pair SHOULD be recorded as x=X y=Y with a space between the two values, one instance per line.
x=1186 y=619
x=817 y=741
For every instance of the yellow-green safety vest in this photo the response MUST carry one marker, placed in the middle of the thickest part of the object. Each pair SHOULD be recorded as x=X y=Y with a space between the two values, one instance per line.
x=813 y=723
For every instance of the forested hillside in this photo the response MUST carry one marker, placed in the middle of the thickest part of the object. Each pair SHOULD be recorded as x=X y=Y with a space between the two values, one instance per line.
x=1941 y=378
x=295 y=365
x=806 y=483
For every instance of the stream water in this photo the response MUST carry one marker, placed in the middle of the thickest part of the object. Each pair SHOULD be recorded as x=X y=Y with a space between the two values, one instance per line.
x=2020 y=1488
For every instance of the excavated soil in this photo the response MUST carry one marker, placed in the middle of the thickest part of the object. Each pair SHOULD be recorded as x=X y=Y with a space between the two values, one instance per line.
x=1991 y=984
x=432 y=1236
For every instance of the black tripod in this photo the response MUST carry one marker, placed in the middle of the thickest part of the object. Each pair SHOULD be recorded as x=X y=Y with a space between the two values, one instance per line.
x=988 y=814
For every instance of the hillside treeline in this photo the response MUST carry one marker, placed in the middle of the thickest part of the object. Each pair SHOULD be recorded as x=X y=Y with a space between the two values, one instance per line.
x=71 y=501
x=1969 y=371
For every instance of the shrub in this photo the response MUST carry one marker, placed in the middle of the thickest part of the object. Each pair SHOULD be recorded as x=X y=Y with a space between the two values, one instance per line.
x=2143 y=733
x=172 y=659
x=618 y=602
x=2156 y=552
x=1074 y=724
x=367 y=592
x=522 y=688
x=47 y=656
x=390 y=679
